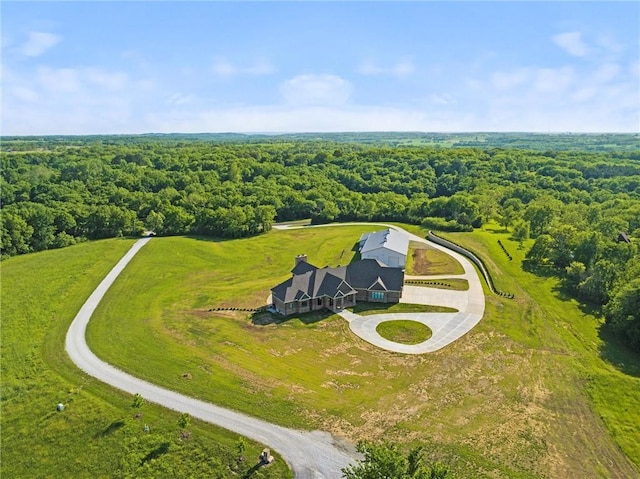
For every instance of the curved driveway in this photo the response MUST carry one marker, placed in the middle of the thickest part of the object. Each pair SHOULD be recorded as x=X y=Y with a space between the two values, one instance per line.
x=445 y=327
x=311 y=455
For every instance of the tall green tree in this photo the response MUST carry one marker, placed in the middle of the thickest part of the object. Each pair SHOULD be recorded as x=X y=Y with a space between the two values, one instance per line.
x=623 y=312
x=387 y=461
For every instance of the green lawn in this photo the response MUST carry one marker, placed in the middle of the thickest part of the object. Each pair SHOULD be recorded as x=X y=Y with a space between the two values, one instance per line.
x=364 y=308
x=519 y=396
x=532 y=391
x=603 y=376
x=97 y=434
x=404 y=331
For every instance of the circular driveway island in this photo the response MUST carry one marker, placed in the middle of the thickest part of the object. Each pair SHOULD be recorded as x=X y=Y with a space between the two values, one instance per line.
x=446 y=327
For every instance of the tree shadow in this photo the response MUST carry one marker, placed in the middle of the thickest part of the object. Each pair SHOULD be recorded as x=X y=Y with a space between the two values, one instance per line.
x=210 y=239
x=544 y=271
x=265 y=318
x=156 y=453
x=614 y=351
x=356 y=251
x=110 y=429
x=496 y=230
x=251 y=471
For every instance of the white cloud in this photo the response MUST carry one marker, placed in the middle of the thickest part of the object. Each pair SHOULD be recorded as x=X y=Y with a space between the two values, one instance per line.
x=402 y=68
x=282 y=119
x=261 y=66
x=553 y=80
x=572 y=43
x=107 y=80
x=607 y=72
x=59 y=80
x=502 y=80
x=224 y=68
x=180 y=99
x=24 y=94
x=38 y=43
x=442 y=99
x=316 y=90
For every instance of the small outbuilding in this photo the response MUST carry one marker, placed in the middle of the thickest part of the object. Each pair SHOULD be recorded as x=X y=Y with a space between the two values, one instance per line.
x=389 y=246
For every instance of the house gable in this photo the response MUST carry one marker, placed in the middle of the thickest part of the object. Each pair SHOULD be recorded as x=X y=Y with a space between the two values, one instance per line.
x=309 y=286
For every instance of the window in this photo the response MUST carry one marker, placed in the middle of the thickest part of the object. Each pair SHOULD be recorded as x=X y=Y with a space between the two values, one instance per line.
x=304 y=304
x=319 y=301
x=379 y=295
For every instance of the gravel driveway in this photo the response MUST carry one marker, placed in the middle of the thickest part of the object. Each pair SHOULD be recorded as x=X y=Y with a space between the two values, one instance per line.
x=311 y=455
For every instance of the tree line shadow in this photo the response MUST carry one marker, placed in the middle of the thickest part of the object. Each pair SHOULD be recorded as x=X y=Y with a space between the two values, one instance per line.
x=613 y=349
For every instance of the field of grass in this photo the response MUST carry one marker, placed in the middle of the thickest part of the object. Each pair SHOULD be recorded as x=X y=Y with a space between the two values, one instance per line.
x=97 y=435
x=603 y=371
x=426 y=260
x=519 y=396
x=405 y=332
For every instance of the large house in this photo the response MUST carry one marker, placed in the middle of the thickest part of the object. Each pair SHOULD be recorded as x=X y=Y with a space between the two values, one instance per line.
x=311 y=288
x=389 y=246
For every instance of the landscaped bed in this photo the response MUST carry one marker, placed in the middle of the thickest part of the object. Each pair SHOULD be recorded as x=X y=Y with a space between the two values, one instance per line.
x=454 y=284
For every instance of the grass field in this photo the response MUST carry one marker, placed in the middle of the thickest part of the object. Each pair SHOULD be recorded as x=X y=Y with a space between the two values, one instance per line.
x=522 y=395
x=97 y=435
x=404 y=332
x=365 y=309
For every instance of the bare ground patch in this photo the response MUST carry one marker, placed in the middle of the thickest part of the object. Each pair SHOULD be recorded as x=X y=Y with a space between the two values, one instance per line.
x=426 y=260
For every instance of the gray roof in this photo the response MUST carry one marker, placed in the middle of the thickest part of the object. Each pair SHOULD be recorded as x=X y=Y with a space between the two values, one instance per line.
x=390 y=239
x=311 y=282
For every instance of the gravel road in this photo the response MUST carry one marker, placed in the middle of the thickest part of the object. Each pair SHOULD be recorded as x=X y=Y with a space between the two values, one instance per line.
x=311 y=455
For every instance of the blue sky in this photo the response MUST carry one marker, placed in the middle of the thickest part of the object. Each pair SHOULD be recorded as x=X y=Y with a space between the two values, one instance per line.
x=136 y=67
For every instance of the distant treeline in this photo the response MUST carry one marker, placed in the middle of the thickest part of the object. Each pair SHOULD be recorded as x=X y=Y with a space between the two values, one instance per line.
x=56 y=191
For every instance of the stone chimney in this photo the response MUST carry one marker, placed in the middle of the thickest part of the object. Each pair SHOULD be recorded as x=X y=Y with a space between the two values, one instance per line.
x=301 y=257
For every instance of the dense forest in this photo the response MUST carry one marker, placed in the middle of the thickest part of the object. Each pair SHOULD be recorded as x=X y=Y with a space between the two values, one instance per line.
x=577 y=197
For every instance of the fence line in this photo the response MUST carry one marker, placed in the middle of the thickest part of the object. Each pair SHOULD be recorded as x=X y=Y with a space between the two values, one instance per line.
x=477 y=261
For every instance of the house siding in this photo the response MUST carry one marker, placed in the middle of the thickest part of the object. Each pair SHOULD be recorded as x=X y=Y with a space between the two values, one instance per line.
x=387 y=257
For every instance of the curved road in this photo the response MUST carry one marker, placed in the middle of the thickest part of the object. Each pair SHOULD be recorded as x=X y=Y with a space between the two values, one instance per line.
x=445 y=327
x=311 y=455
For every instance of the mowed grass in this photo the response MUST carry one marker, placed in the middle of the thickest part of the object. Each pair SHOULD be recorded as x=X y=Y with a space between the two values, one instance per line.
x=404 y=331
x=365 y=309
x=97 y=434
x=512 y=398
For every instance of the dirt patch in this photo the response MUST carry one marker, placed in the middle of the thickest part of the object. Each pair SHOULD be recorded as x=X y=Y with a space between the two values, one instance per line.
x=426 y=260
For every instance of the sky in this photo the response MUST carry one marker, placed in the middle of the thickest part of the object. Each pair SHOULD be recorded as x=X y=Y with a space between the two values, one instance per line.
x=276 y=67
